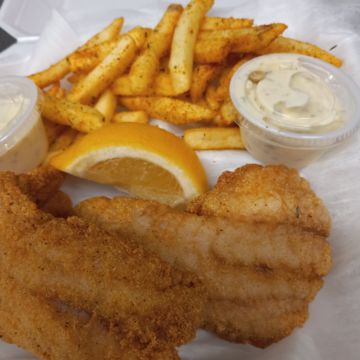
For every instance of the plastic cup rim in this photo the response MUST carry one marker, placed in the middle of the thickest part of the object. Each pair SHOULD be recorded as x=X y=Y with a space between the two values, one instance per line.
x=333 y=137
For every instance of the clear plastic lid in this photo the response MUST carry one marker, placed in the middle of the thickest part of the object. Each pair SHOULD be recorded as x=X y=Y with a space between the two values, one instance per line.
x=18 y=99
x=342 y=86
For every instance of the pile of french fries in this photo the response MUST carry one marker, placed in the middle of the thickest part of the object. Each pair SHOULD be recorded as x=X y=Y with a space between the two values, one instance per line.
x=178 y=72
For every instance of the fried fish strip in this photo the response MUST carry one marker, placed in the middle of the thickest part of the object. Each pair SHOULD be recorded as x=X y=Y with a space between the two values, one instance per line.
x=88 y=268
x=258 y=284
x=270 y=194
x=236 y=243
x=51 y=330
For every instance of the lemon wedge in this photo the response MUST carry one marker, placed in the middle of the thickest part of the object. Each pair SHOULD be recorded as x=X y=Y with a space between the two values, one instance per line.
x=145 y=160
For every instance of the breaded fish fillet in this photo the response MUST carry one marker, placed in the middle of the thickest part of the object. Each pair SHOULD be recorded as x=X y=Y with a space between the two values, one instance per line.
x=88 y=268
x=54 y=331
x=270 y=194
x=259 y=246
x=260 y=276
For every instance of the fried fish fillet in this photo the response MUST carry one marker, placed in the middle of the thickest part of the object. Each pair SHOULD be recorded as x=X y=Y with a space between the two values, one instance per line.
x=59 y=205
x=87 y=268
x=265 y=194
x=260 y=276
x=54 y=331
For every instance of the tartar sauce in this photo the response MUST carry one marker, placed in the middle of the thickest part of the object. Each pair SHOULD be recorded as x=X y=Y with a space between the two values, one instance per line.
x=287 y=95
x=23 y=142
x=11 y=107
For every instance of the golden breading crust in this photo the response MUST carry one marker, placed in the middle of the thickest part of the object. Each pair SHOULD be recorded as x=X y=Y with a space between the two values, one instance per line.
x=54 y=331
x=261 y=269
x=88 y=268
x=270 y=194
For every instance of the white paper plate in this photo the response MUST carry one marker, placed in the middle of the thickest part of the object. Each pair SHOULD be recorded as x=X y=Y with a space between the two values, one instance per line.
x=333 y=330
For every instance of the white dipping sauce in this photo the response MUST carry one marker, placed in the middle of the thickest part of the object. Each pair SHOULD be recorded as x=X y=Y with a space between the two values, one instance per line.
x=293 y=108
x=23 y=142
x=287 y=95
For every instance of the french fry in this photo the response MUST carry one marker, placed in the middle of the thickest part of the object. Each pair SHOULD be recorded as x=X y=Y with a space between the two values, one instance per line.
x=107 y=34
x=79 y=135
x=61 y=111
x=163 y=85
x=183 y=45
x=213 y=47
x=62 y=142
x=202 y=75
x=52 y=130
x=211 y=98
x=51 y=75
x=245 y=40
x=145 y=67
x=60 y=69
x=86 y=60
x=214 y=138
x=106 y=105
x=172 y=110
x=220 y=23
x=222 y=91
x=56 y=91
x=114 y=64
x=287 y=45
x=212 y=51
x=228 y=113
x=263 y=37
x=75 y=78
x=131 y=116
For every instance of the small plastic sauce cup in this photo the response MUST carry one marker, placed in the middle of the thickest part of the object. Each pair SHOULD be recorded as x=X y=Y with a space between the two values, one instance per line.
x=23 y=141
x=272 y=145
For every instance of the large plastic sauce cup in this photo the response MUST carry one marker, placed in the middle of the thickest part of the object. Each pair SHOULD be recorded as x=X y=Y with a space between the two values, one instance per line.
x=23 y=141
x=272 y=145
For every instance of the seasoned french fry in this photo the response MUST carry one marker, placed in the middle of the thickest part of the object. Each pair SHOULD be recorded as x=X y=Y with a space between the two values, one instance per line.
x=145 y=67
x=222 y=91
x=62 y=142
x=214 y=138
x=228 y=113
x=287 y=45
x=211 y=99
x=131 y=116
x=183 y=45
x=172 y=110
x=253 y=42
x=202 y=75
x=163 y=85
x=245 y=40
x=60 y=69
x=51 y=75
x=106 y=105
x=107 y=34
x=114 y=64
x=56 y=91
x=79 y=135
x=212 y=51
x=61 y=111
x=139 y=35
x=220 y=23
x=75 y=78
x=83 y=61
x=215 y=46
x=52 y=130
